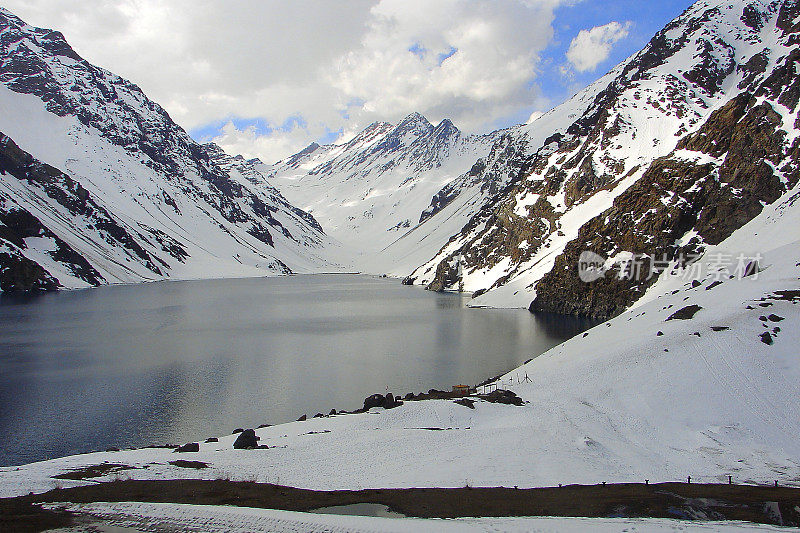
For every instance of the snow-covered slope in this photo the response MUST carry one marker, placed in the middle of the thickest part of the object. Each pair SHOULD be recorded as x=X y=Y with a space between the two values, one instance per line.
x=227 y=519
x=688 y=138
x=370 y=193
x=99 y=185
x=640 y=397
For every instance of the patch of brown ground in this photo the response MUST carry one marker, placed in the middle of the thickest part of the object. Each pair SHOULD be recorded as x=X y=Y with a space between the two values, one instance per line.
x=20 y=516
x=93 y=471
x=663 y=500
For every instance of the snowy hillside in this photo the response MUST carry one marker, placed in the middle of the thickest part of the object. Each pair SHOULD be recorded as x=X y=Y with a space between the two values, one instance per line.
x=670 y=152
x=375 y=192
x=100 y=186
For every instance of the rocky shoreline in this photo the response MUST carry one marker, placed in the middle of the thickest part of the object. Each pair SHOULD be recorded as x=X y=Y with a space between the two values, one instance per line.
x=247 y=438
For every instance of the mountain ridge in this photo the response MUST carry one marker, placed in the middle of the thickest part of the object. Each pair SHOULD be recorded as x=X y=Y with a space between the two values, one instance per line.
x=131 y=165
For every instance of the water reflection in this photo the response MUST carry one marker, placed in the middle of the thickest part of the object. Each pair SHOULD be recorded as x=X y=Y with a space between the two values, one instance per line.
x=560 y=326
x=174 y=362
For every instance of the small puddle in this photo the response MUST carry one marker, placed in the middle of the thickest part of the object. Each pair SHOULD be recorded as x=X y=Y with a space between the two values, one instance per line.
x=360 y=509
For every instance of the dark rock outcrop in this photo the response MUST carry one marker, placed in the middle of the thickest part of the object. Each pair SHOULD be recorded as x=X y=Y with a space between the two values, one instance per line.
x=388 y=401
x=686 y=313
x=506 y=397
x=247 y=439
x=712 y=200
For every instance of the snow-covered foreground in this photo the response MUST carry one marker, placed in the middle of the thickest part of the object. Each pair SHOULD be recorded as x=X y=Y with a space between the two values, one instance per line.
x=618 y=404
x=210 y=519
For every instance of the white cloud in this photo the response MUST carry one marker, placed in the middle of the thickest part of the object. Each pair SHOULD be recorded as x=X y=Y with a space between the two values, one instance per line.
x=338 y=65
x=274 y=146
x=591 y=47
x=534 y=116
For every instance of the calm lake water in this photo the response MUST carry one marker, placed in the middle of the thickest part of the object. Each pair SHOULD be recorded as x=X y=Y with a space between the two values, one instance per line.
x=174 y=362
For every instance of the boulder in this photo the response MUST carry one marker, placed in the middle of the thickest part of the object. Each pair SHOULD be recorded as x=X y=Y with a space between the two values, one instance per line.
x=247 y=439
x=376 y=400
x=687 y=313
x=466 y=402
x=390 y=402
x=212 y=439
x=189 y=447
x=302 y=418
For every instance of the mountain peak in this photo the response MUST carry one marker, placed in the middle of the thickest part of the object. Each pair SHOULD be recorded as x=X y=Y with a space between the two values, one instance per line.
x=446 y=127
x=414 y=119
x=8 y=14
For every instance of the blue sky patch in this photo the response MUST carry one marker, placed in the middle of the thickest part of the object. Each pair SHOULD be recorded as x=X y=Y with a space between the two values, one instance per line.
x=208 y=132
x=647 y=19
x=442 y=57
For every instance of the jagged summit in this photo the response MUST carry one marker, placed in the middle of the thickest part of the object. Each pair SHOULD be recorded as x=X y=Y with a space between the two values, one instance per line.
x=309 y=149
x=371 y=190
x=445 y=129
x=414 y=121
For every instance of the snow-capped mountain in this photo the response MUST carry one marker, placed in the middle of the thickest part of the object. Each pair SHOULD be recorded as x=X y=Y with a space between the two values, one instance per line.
x=672 y=151
x=99 y=185
x=374 y=192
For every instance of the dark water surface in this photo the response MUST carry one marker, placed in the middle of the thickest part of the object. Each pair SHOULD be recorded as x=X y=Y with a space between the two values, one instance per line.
x=173 y=362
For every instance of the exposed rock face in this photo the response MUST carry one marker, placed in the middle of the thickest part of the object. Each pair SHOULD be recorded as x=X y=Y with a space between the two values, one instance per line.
x=118 y=190
x=71 y=196
x=712 y=196
x=20 y=274
x=672 y=151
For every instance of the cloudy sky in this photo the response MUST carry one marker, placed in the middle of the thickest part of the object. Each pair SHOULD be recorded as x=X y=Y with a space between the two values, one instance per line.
x=266 y=78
